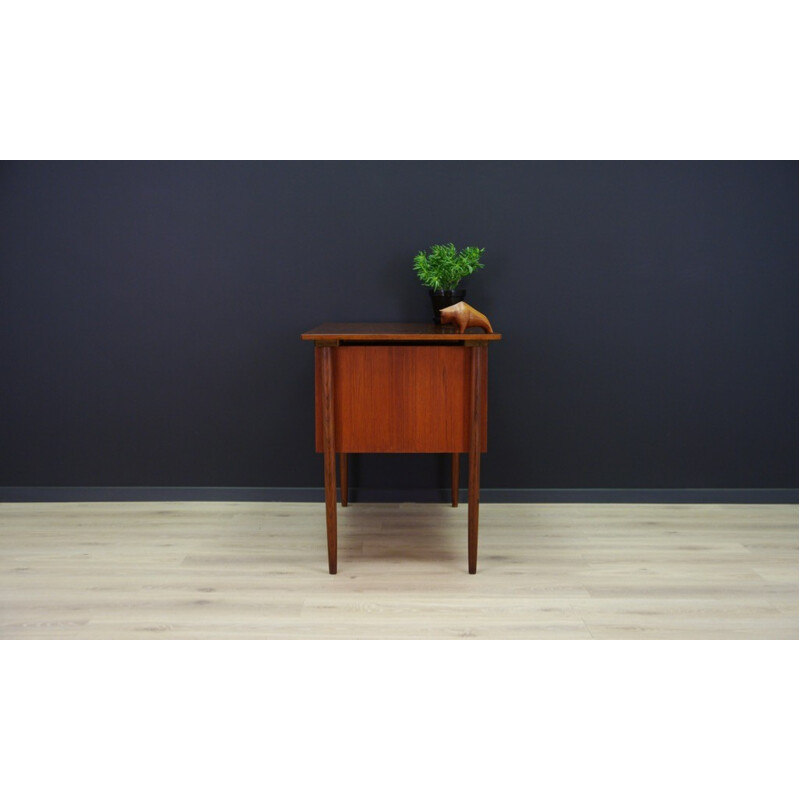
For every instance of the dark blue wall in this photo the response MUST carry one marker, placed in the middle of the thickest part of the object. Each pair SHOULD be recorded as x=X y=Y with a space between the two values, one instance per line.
x=151 y=317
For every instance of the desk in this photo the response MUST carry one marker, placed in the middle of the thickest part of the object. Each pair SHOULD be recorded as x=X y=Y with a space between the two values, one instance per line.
x=400 y=388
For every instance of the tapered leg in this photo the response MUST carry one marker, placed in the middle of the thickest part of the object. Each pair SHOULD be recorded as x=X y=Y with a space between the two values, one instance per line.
x=343 y=477
x=474 y=461
x=455 y=480
x=329 y=451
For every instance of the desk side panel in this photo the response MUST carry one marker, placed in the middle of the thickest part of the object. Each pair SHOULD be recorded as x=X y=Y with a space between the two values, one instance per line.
x=401 y=399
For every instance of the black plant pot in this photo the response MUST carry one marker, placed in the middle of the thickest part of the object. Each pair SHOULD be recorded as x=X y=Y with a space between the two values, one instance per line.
x=443 y=299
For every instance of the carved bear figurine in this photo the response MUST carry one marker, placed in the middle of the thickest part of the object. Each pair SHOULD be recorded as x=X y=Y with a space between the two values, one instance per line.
x=464 y=316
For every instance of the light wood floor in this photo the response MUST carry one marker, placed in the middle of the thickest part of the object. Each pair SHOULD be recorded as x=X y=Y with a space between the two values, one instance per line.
x=259 y=570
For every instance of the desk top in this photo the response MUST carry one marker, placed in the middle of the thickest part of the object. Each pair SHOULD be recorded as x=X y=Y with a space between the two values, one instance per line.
x=395 y=332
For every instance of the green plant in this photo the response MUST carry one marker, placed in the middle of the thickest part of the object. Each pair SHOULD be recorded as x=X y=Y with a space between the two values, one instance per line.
x=444 y=267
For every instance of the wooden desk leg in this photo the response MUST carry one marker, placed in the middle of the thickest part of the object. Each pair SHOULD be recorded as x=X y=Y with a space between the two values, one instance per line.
x=474 y=461
x=329 y=451
x=343 y=477
x=455 y=480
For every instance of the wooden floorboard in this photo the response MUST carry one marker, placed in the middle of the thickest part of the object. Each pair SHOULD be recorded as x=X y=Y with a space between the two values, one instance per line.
x=229 y=570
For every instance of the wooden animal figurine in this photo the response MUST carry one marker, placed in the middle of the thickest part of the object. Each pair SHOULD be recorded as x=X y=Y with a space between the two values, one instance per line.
x=464 y=316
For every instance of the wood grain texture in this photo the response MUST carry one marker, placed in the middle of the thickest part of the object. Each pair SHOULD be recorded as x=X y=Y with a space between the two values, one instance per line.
x=394 y=331
x=204 y=570
x=401 y=399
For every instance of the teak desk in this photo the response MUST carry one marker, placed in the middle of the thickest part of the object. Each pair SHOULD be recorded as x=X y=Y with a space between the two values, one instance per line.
x=400 y=388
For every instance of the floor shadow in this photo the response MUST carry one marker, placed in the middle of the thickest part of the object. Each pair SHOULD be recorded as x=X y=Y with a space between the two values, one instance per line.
x=418 y=532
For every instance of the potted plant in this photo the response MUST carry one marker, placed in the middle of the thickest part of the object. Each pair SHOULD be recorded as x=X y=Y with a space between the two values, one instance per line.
x=442 y=269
